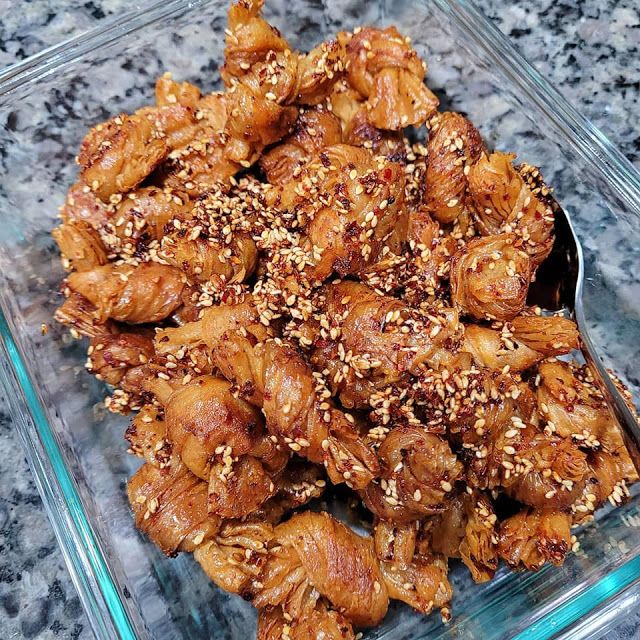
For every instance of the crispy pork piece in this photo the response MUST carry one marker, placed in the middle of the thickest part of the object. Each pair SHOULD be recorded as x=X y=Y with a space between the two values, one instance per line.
x=384 y=69
x=80 y=246
x=513 y=200
x=490 y=278
x=419 y=473
x=533 y=537
x=146 y=293
x=314 y=130
x=412 y=572
x=467 y=530
x=119 y=154
x=454 y=145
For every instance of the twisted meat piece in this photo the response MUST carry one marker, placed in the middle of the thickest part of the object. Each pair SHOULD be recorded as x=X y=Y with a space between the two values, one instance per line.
x=217 y=436
x=533 y=537
x=506 y=199
x=80 y=246
x=419 y=472
x=205 y=153
x=235 y=558
x=249 y=39
x=261 y=73
x=498 y=349
x=384 y=69
x=146 y=293
x=319 y=623
x=203 y=251
x=314 y=130
x=550 y=471
x=319 y=70
x=141 y=217
x=349 y=107
x=312 y=556
x=117 y=155
x=454 y=145
x=82 y=317
x=82 y=205
x=466 y=530
x=490 y=277
x=411 y=572
x=500 y=446
x=386 y=340
x=110 y=356
x=349 y=203
x=170 y=506
x=549 y=335
x=272 y=375
x=574 y=407
x=522 y=342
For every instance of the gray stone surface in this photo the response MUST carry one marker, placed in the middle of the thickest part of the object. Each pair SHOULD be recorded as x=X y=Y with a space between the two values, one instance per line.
x=587 y=48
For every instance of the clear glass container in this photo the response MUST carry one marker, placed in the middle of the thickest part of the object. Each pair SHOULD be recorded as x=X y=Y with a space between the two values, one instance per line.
x=76 y=449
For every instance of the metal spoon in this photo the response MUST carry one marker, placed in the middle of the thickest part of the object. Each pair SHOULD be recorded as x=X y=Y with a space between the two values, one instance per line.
x=559 y=284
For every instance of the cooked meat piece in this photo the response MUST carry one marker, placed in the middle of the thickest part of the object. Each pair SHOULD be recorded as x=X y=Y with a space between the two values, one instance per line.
x=383 y=68
x=419 y=472
x=490 y=278
x=142 y=216
x=273 y=375
x=215 y=435
x=522 y=342
x=574 y=407
x=454 y=145
x=249 y=39
x=314 y=130
x=235 y=558
x=81 y=316
x=119 y=154
x=146 y=293
x=203 y=251
x=82 y=205
x=498 y=349
x=203 y=416
x=549 y=335
x=533 y=537
x=170 y=92
x=466 y=530
x=80 y=246
x=170 y=506
x=349 y=203
x=321 y=622
x=318 y=556
x=387 y=339
x=505 y=199
x=549 y=471
x=111 y=356
x=318 y=71
x=411 y=574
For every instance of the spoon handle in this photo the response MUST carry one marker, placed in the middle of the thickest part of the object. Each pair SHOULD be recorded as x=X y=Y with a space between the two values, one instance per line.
x=625 y=417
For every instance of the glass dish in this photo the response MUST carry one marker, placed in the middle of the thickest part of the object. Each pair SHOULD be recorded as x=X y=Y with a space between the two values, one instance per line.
x=75 y=448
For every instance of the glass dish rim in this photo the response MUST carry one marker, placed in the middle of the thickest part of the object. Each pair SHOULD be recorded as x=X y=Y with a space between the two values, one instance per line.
x=84 y=557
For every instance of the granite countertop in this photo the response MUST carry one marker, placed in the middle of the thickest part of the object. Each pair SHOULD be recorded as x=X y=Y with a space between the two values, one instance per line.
x=587 y=48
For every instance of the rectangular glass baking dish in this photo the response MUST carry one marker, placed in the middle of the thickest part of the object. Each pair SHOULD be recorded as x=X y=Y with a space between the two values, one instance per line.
x=76 y=450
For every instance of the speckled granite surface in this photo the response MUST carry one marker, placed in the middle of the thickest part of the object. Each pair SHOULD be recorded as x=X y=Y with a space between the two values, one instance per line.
x=589 y=49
